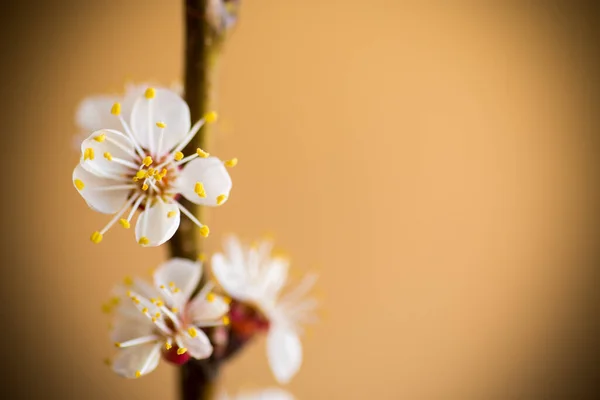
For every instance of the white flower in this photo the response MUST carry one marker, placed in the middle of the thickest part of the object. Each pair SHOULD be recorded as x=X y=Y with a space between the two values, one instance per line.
x=251 y=275
x=162 y=318
x=266 y=394
x=144 y=168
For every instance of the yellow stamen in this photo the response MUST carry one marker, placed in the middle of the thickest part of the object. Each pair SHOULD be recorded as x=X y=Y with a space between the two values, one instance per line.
x=147 y=161
x=154 y=319
x=178 y=156
x=144 y=241
x=172 y=284
x=135 y=300
x=176 y=290
x=175 y=309
x=221 y=199
x=204 y=231
x=151 y=171
x=192 y=332
x=79 y=184
x=181 y=351
x=199 y=189
x=227 y=300
x=124 y=223
x=116 y=109
x=117 y=344
x=108 y=156
x=145 y=187
x=145 y=310
x=128 y=281
x=201 y=153
x=157 y=315
x=210 y=297
x=96 y=237
x=150 y=93
x=226 y=320
x=106 y=308
x=171 y=214
x=211 y=117
x=100 y=138
x=202 y=257
x=231 y=163
x=138 y=374
x=88 y=154
x=161 y=124
x=107 y=362
x=168 y=346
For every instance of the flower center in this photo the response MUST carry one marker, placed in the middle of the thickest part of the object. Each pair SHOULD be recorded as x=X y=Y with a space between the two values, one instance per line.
x=155 y=178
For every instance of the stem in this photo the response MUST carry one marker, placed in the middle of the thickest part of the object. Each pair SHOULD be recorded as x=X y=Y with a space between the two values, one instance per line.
x=198 y=377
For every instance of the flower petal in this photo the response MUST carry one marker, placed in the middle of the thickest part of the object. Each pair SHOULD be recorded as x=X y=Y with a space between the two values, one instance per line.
x=179 y=273
x=126 y=328
x=104 y=201
x=93 y=113
x=136 y=361
x=157 y=224
x=270 y=394
x=201 y=310
x=284 y=352
x=213 y=176
x=167 y=107
x=233 y=279
x=273 y=277
x=199 y=346
x=114 y=144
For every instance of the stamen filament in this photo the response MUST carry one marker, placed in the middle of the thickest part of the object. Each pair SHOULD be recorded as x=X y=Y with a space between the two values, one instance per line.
x=189 y=214
x=117 y=215
x=112 y=187
x=120 y=161
x=137 y=341
x=129 y=133
x=135 y=207
x=120 y=146
x=189 y=136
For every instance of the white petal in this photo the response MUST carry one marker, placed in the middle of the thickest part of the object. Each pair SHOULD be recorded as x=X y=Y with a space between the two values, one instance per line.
x=284 y=352
x=155 y=225
x=211 y=173
x=234 y=250
x=143 y=358
x=269 y=394
x=184 y=274
x=93 y=113
x=100 y=165
x=167 y=107
x=104 y=201
x=234 y=280
x=125 y=328
x=199 y=347
x=200 y=310
x=273 y=277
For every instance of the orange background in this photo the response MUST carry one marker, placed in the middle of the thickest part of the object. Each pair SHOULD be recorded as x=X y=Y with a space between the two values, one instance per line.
x=433 y=163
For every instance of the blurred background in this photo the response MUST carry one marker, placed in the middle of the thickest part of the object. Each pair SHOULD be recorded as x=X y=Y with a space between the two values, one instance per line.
x=434 y=163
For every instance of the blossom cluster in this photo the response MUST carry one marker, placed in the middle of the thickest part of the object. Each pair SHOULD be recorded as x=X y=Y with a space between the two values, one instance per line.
x=133 y=161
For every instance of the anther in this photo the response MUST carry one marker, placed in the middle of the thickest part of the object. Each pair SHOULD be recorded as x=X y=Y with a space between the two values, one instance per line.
x=168 y=346
x=145 y=310
x=96 y=237
x=88 y=154
x=108 y=156
x=140 y=174
x=178 y=156
x=210 y=297
x=204 y=231
x=138 y=374
x=226 y=320
x=202 y=257
x=231 y=163
x=128 y=281
x=150 y=93
x=144 y=241
x=211 y=117
x=175 y=309
x=116 y=109
x=147 y=161
x=100 y=138
x=161 y=124
x=145 y=187
x=192 y=332
x=181 y=351
x=171 y=214
x=202 y=153
x=79 y=184
x=199 y=189
x=221 y=199
x=124 y=223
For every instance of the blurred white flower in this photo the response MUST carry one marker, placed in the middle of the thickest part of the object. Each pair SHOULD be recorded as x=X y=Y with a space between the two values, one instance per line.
x=253 y=276
x=266 y=394
x=162 y=318
x=145 y=168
